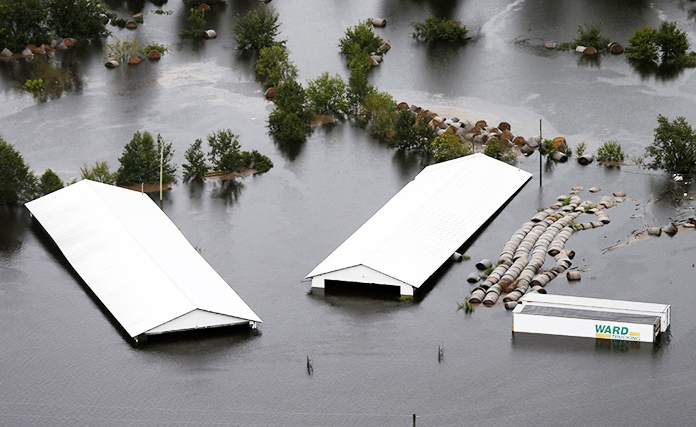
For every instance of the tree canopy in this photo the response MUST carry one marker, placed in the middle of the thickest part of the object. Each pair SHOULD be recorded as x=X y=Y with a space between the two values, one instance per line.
x=140 y=161
x=17 y=183
x=256 y=29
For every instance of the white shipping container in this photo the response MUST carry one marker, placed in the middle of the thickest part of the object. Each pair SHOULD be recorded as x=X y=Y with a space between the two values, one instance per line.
x=590 y=317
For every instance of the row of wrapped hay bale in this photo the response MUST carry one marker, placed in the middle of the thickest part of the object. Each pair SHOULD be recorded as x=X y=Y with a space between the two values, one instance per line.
x=44 y=49
x=520 y=265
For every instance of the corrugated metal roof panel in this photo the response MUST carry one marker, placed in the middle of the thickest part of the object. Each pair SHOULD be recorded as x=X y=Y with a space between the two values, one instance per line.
x=429 y=219
x=133 y=257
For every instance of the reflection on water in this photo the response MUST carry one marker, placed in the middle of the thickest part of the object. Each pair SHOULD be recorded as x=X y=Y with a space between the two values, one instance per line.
x=14 y=221
x=227 y=190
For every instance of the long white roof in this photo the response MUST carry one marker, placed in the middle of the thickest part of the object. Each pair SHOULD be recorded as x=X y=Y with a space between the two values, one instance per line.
x=136 y=261
x=411 y=236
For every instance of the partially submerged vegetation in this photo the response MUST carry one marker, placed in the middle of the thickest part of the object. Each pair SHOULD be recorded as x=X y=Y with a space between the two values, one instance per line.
x=439 y=29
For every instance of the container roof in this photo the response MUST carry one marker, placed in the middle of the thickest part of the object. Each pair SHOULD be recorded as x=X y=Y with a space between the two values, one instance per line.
x=136 y=261
x=411 y=236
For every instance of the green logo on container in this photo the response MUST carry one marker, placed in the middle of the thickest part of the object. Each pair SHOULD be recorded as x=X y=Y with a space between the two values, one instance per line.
x=615 y=332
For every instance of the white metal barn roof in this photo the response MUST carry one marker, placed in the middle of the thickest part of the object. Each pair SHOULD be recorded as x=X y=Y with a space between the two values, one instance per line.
x=411 y=236
x=136 y=260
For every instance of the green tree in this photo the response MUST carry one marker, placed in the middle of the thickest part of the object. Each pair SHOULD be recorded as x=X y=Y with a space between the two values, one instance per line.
x=99 y=172
x=448 y=146
x=443 y=29
x=140 y=162
x=17 y=183
x=225 y=151
x=256 y=29
x=358 y=84
x=274 y=65
x=642 y=46
x=674 y=147
x=22 y=22
x=611 y=152
x=411 y=134
x=196 y=21
x=289 y=121
x=195 y=167
x=673 y=42
x=360 y=38
x=81 y=19
x=50 y=182
x=328 y=95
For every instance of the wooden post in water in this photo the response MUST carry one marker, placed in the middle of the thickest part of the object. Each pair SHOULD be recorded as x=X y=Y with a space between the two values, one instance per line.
x=541 y=141
x=414 y=420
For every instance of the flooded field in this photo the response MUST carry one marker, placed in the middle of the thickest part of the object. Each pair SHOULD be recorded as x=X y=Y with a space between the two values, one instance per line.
x=66 y=362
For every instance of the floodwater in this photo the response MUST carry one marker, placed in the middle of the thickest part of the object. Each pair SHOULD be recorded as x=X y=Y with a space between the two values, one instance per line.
x=66 y=362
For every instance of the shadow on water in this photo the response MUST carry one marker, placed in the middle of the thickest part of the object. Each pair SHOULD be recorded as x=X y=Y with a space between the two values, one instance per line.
x=438 y=8
x=590 y=61
x=15 y=221
x=227 y=190
x=663 y=72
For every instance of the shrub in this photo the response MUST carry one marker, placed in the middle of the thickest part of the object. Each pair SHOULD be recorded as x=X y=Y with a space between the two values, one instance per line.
x=581 y=148
x=667 y=43
x=674 y=147
x=195 y=167
x=498 y=150
x=50 y=182
x=121 y=50
x=162 y=49
x=196 y=21
x=35 y=86
x=610 y=151
x=642 y=45
x=256 y=29
x=99 y=172
x=358 y=84
x=443 y=29
x=591 y=35
x=378 y=109
x=140 y=161
x=411 y=134
x=448 y=146
x=328 y=95
x=274 y=65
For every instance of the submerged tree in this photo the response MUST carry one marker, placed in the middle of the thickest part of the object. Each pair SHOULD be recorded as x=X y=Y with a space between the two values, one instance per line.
x=274 y=65
x=50 y=182
x=674 y=147
x=289 y=121
x=17 y=183
x=80 y=19
x=195 y=167
x=449 y=146
x=99 y=172
x=140 y=162
x=256 y=29
x=328 y=95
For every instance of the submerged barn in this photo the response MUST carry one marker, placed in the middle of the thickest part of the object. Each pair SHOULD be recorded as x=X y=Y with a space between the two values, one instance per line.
x=415 y=233
x=137 y=262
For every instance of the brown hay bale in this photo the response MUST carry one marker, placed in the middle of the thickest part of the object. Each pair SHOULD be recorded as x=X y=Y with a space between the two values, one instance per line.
x=616 y=48
x=133 y=60
x=402 y=106
x=507 y=135
x=559 y=142
x=271 y=93
x=504 y=126
x=481 y=124
x=379 y=22
x=154 y=55
x=137 y=15
x=590 y=51
x=111 y=64
x=519 y=141
x=131 y=25
x=204 y=7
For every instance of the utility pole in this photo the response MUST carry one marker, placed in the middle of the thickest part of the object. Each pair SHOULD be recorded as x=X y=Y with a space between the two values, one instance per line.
x=161 y=168
x=541 y=142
